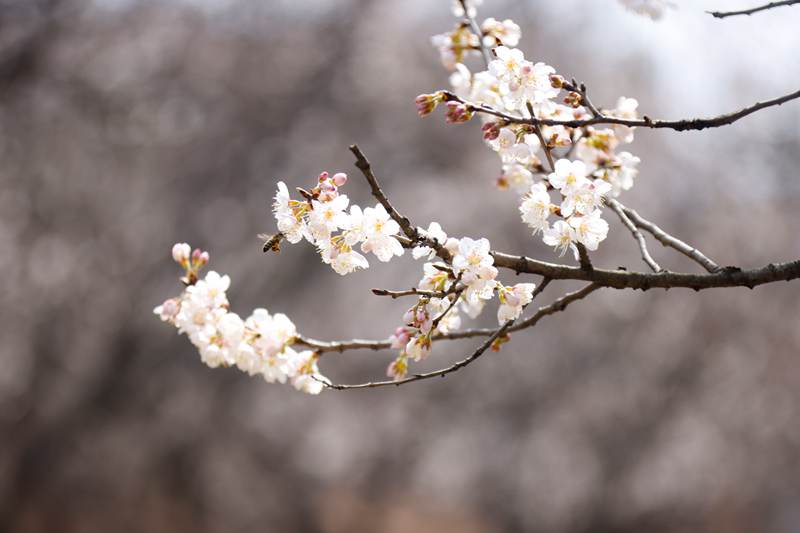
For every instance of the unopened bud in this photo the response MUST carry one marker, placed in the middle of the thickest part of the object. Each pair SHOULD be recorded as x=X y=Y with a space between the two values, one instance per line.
x=556 y=81
x=458 y=113
x=491 y=130
x=180 y=253
x=339 y=179
x=323 y=176
x=573 y=99
x=426 y=103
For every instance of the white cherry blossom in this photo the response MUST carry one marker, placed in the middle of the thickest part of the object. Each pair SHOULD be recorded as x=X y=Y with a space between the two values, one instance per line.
x=535 y=208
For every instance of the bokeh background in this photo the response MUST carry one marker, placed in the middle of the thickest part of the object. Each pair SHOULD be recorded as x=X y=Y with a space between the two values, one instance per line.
x=126 y=126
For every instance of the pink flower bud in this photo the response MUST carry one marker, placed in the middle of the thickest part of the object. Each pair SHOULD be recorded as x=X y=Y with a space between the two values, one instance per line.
x=323 y=176
x=408 y=317
x=204 y=257
x=340 y=178
x=426 y=103
x=458 y=113
x=491 y=131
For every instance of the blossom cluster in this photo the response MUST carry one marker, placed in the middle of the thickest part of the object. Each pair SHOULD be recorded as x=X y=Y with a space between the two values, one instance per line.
x=465 y=284
x=563 y=202
x=257 y=345
x=322 y=219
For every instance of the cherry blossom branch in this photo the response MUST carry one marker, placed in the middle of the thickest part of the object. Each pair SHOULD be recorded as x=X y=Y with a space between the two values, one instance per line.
x=618 y=279
x=646 y=257
x=409 y=229
x=581 y=90
x=558 y=305
x=364 y=166
x=493 y=334
x=771 y=5
x=693 y=124
x=437 y=373
x=668 y=240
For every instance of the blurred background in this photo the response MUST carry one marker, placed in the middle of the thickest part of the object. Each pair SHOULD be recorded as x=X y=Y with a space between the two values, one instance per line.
x=127 y=125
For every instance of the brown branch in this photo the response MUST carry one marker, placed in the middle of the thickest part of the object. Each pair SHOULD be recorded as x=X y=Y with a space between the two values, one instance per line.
x=583 y=257
x=646 y=257
x=341 y=346
x=693 y=124
x=771 y=5
x=668 y=240
x=410 y=292
x=410 y=231
x=623 y=279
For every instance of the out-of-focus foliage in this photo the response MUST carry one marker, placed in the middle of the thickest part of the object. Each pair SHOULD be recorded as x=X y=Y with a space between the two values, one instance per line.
x=127 y=126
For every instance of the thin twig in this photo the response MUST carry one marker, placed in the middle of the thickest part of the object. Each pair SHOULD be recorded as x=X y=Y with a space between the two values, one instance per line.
x=438 y=373
x=771 y=5
x=494 y=334
x=409 y=292
x=618 y=209
x=668 y=240
x=558 y=305
x=410 y=231
x=341 y=346
x=693 y=124
x=473 y=26
x=456 y=296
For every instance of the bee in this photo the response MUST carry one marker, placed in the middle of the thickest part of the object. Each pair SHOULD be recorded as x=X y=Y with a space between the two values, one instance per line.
x=272 y=243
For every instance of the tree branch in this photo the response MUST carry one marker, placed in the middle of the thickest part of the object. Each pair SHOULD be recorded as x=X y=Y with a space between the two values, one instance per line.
x=771 y=5
x=668 y=240
x=646 y=257
x=693 y=124
x=405 y=224
x=410 y=292
x=623 y=279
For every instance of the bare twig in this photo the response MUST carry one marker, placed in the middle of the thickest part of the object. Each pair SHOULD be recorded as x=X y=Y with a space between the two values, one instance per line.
x=409 y=292
x=645 y=122
x=341 y=346
x=771 y=5
x=618 y=209
x=668 y=240
x=548 y=152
